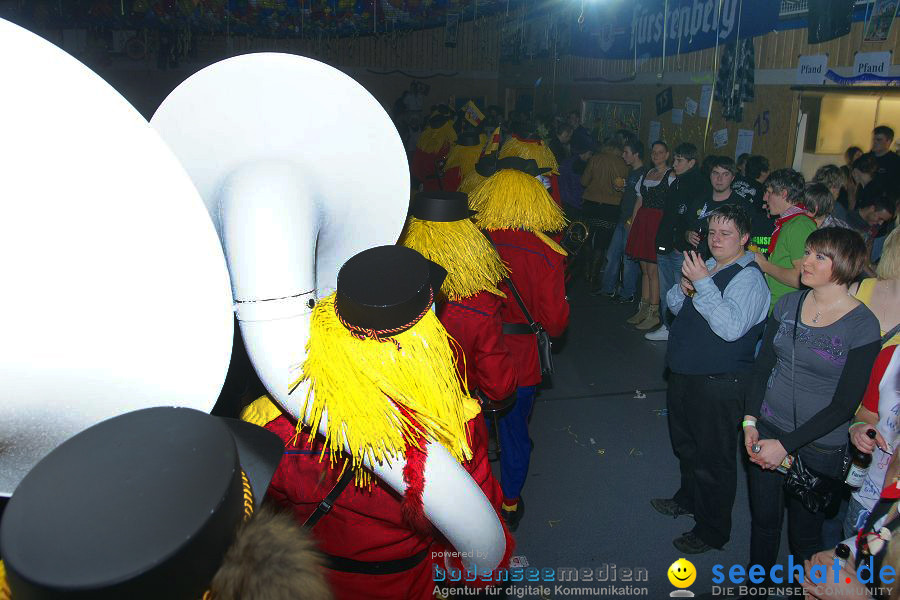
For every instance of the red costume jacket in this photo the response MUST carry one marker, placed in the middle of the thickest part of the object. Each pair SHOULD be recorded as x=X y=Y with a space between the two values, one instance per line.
x=424 y=167
x=365 y=525
x=475 y=323
x=538 y=273
x=451 y=179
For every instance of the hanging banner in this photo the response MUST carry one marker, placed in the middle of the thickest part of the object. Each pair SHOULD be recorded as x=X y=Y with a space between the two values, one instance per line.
x=611 y=29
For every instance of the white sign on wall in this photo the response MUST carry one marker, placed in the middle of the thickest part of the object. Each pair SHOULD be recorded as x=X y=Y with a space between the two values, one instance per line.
x=872 y=63
x=811 y=69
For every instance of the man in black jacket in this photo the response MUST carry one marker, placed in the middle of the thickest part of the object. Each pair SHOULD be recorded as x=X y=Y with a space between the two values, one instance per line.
x=689 y=185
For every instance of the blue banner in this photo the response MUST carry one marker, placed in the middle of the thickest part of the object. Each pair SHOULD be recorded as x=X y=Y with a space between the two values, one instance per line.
x=611 y=29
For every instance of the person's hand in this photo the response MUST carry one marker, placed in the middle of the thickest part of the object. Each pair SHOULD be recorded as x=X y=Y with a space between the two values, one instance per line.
x=751 y=437
x=692 y=238
x=761 y=260
x=770 y=454
x=693 y=267
x=687 y=288
x=863 y=442
x=829 y=590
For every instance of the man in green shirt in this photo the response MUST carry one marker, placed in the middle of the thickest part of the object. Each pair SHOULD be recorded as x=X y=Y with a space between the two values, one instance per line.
x=784 y=200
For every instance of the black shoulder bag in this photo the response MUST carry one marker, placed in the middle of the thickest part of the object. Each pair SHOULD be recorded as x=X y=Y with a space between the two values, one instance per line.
x=814 y=490
x=545 y=357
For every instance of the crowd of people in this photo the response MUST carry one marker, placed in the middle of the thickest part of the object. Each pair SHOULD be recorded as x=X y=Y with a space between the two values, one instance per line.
x=779 y=300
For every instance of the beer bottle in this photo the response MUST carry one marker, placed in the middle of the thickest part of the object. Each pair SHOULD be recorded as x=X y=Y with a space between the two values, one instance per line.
x=860 y=465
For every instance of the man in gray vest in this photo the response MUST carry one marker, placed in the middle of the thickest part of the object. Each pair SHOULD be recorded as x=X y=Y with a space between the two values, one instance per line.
x=720 y=309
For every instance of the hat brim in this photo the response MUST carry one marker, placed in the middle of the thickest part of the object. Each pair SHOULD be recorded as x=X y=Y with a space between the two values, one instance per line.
x=259 y=451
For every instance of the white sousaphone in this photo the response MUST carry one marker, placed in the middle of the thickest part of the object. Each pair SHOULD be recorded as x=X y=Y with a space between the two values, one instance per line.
x=300 y=169
x=115 y=290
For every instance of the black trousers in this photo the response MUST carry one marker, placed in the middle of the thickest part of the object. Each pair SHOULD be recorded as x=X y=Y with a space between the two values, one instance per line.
x=601 y=220
x=704 y=422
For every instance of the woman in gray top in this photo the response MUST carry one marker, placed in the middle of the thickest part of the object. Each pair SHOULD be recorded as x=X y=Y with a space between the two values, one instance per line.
x=820 y=372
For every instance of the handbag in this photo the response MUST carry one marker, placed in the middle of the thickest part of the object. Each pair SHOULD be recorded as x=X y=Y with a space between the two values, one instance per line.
x=814 y=490
x=544 y=345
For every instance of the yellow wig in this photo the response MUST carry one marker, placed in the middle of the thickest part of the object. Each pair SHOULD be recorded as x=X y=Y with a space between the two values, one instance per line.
x=365 y=383
x=510 y=199
x=471 y=181
x=472 y=264
x=463 y=157
x=534 y=149
x=433 y=140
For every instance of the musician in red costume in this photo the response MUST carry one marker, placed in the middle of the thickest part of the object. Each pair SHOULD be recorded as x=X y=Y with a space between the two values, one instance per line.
x=517 y=213
x=440 y=228
x=381 y=364
x=432 y=148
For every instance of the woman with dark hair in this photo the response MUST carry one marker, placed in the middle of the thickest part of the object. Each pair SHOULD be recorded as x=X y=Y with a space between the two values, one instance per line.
x=810 y=374
x=641 y=245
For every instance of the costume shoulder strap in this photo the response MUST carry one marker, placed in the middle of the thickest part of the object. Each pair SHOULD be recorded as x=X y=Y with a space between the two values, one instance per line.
x=261 y=411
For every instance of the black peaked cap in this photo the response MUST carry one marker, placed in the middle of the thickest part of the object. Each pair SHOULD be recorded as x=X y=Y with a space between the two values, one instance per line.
x=487 y=166
x=387 y=288
x=469 y=138
x=442 y=207
x=143 y=506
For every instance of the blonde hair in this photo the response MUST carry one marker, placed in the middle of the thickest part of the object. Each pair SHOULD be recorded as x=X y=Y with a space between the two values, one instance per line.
x=889 y=265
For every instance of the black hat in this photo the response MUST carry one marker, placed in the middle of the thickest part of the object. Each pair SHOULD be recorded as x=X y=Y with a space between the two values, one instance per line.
x=441 y=206
x=143 y=505
x=385 y=290
x=469 y=138
x=487 y=166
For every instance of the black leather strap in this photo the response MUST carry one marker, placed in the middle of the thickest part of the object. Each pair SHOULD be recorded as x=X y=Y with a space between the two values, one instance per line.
x=517 y=329
x=533 y=326
x=385 y=567
x=327 y=503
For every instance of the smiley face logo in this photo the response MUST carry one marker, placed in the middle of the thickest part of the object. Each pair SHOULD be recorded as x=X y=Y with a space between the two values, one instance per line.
x=682 y=573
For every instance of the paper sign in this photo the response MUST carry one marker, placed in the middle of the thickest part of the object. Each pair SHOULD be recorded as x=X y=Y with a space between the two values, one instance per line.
x=705 y=100
x=872 y=63
x=654 y=133
x=811 y=69
x=690 y=106
x=744 y=143
x=677 y=116
x=720 y=138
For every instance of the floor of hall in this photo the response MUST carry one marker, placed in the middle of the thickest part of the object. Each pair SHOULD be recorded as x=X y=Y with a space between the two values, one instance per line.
x=602 y=451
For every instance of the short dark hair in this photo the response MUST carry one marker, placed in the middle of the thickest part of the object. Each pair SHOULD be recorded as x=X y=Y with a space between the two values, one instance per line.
x=885 y=131
x=756 y=166
x=686 y=150
x=636 y=146
x=742 y=159
x=883 y=201
x=866 y=164
x=723 y=162
x=787 y=180
x=830 y=176
x=735 y=213
x=562 y=128
x=851 y=152
x=846 y=249
x=818 y=200
x=660 y=143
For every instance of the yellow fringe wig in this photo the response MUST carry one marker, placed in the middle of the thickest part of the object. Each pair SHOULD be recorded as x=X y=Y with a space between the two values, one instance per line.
x=463 y=157
x=510 y=199
x=4 y=586
x=363 y=383
x=471 y=181
x=472 y=264
x=534 y=149
x=433 y=140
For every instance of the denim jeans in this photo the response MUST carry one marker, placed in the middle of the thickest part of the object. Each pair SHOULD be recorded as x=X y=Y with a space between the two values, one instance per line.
x=631 y=270
x=669 y=267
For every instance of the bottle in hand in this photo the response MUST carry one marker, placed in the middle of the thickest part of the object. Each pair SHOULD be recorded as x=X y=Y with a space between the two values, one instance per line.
x=860 y=465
